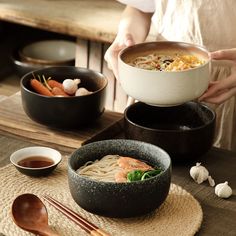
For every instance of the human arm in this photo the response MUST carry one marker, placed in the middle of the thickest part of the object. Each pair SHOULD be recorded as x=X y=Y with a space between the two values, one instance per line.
x=220 y=91
x=133 y=28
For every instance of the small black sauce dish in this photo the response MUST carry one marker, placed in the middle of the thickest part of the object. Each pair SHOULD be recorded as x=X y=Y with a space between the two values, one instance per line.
x=35 y=161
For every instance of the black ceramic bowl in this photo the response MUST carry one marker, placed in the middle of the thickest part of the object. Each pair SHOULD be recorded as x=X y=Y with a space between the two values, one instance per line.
x=22 y=68
x=35 y=161
x=185 y=132
x=65 y=112
x=119 y=199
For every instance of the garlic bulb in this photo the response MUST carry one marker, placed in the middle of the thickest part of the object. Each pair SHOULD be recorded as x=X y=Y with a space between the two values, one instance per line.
x=223 y=190
x=82 y=91
x=70 y=86
x=199 y=173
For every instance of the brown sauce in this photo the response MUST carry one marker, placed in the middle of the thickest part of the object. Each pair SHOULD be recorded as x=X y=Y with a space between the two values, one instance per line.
x=36 y=162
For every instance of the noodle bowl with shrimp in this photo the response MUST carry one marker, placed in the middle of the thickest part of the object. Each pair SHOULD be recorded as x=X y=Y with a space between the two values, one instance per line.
x=115 y=168
x=92 y=173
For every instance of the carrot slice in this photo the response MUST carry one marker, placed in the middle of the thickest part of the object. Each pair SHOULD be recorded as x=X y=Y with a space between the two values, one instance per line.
x=40 y=88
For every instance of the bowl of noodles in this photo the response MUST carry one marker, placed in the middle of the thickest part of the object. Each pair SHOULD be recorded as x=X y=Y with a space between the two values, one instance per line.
x=119 y=177
x=164 y=73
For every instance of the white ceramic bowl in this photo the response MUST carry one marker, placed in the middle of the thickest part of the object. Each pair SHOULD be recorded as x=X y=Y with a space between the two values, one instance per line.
x=36 y=151
x=49 y=52
x=161 y=88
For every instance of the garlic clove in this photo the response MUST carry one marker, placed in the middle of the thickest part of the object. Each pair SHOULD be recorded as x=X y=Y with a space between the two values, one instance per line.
x=223 y=190
x=211 y=181
x=199 y=173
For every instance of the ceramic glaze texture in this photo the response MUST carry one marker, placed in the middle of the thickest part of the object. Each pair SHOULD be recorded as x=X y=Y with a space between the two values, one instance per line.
x=163 y=88
x=119 y=199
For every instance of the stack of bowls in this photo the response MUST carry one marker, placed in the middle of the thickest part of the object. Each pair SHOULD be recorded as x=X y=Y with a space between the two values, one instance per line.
x=166 y=114
x=43 y=54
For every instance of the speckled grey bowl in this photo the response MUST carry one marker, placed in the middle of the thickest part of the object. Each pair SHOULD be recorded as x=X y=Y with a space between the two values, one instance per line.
x=119 y=199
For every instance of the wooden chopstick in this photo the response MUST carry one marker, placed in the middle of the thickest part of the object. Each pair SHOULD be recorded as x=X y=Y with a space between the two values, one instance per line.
x=79 y=220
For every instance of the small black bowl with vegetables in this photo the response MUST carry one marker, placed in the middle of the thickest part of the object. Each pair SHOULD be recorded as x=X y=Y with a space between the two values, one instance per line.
x=64 y=96
x=119 y=177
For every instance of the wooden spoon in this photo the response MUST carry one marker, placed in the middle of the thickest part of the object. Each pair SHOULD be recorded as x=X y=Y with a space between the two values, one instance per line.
x=30 y=214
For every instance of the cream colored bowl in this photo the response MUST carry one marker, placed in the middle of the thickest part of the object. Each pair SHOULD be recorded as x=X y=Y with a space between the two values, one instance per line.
x=161 y=88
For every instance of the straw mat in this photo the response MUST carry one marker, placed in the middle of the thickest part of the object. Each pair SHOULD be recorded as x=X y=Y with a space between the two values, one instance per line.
x=180 y=214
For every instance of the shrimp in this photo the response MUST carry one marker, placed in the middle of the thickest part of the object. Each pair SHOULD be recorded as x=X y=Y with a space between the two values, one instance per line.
x=121 y=176
x=128 y=163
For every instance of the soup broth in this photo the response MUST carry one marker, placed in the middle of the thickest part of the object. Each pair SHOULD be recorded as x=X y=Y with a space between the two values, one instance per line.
x=167 y=61
x=36 y=162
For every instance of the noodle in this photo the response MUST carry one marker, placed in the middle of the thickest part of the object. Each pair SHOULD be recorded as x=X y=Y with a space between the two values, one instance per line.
x=174 y=62
x=102 y=170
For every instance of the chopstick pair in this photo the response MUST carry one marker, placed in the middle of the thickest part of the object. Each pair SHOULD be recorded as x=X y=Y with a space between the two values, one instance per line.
x=79 y=220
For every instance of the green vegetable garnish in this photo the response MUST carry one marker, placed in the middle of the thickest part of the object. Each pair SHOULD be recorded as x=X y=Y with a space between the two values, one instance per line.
x=134 y=175
x=151 y=173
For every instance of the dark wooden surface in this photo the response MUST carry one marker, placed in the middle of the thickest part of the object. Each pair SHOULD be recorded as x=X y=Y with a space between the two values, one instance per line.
x=85 y=19
x=11 y=110
x=219 y=214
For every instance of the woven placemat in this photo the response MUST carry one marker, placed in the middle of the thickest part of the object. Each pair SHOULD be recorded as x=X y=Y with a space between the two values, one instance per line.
x=180 y=214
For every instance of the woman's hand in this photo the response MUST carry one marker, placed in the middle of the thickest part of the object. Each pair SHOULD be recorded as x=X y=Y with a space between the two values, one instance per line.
x=133 y=28
x=111 y=56
x=219 y=91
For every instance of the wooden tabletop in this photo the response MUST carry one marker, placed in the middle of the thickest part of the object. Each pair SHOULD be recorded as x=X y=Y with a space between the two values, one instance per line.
x=219 y=215
x=90 y=19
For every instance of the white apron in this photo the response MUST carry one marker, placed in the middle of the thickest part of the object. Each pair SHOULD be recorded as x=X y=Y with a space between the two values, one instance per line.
x=205 y=22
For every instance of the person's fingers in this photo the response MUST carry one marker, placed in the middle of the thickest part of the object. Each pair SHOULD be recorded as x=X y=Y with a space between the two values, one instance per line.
x=217 y=87
x=111 y=55
x=220 y=98
x=220 y=91
x=228 y=54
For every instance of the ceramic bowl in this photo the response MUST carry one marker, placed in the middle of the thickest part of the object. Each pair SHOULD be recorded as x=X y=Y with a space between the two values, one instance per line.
x=161 y=88
x=185 y=132
x=36 y=167
x=23 y=67
x=65 y=112
x=119 y=199
x=49 y=52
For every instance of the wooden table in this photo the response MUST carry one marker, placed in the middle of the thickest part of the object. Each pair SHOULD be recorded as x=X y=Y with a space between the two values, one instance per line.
x=219 y=214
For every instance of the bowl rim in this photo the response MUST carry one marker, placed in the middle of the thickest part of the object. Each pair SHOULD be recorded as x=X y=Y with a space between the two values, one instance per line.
x=126 y=119
x=24 y=77
x=34 y=60
x=122 y=184
x=36 y=149
x=198 y=46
